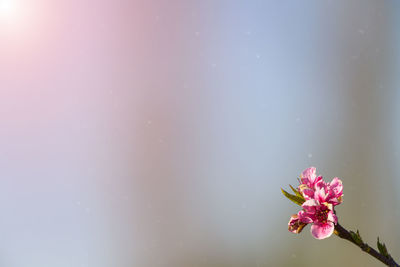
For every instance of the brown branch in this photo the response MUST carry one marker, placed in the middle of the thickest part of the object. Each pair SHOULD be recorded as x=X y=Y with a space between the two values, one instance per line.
x=343 y=233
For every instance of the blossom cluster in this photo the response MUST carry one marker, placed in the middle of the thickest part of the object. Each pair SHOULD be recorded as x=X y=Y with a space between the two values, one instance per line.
x=320 y=198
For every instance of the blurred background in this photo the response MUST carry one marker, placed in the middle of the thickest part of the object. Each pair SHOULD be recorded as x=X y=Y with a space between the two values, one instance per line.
x=159 y=133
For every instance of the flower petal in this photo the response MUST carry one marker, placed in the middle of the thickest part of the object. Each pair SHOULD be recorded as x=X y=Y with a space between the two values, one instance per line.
x=322 y=230
x=295 y=225
x=308 y=176
x=306 y=217
x=310 y=173
x=319 y=178
x=321 y=191
x=335 y=201
x=336 y=186
x=332 y=217
x=310 y=205
x=308 y=193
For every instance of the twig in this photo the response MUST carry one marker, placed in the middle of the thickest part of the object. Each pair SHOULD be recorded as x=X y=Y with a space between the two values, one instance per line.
x=343 y=233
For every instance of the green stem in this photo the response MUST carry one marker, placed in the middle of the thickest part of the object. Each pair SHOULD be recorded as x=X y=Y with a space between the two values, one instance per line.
x=343 y=233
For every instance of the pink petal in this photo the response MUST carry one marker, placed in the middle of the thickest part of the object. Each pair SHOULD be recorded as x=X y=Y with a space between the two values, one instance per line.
x=320 y=184
x=306 y=217
x=336 y=182
x=295 y=225
x=321 y=231
x=318 y=179
x=332 y=217
x=309 y=174
x=293 y=219
x=336 y=186
x=334 y=201
x=308 y=193
x=320 y=193
x=310 y=205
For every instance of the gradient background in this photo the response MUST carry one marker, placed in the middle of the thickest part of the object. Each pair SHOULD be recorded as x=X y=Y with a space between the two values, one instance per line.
x=159 y=133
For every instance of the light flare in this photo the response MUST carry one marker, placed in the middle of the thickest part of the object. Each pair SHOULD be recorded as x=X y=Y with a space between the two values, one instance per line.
x=8 y=9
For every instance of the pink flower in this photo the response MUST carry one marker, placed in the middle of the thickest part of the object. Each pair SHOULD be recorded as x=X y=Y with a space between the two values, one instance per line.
x=336 y=190
x=321 y=215
x=311 y=184
x=309 y=177
x=295 y=225
x=318 y=209
x=329 y=192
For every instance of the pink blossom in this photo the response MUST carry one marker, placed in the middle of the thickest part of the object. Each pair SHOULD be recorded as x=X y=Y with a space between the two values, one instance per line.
x=313 y=187
x=336 y=190
x=321 y=215
x=309 y=177
x=295 y=225
x=318 y=209
x=329 y=192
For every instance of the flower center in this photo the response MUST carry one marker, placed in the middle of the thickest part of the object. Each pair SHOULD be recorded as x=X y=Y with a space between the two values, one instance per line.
x=322 y=214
